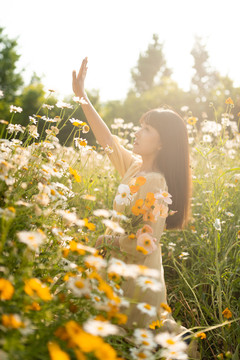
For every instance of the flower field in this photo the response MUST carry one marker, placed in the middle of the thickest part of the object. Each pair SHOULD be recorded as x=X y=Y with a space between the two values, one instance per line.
x=60 y=299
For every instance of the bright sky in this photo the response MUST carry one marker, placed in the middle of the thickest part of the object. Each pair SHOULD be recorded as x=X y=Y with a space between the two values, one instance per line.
x=55 y=35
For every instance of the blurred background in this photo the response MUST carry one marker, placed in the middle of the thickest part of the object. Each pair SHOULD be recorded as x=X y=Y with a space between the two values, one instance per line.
x=141 y=55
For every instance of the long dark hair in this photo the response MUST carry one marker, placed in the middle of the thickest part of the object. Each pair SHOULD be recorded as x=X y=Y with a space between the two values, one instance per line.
x=172 y=161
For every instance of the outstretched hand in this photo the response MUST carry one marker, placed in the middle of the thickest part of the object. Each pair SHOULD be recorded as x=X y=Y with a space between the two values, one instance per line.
x=79 y=79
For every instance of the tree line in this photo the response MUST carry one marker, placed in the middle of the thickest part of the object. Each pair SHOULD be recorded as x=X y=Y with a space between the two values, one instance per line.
x=152 y=86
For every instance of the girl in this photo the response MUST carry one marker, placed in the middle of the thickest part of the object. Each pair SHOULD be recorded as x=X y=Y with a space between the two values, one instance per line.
x=160 y=155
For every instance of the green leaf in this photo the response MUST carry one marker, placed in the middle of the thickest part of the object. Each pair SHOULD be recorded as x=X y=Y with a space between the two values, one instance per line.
x=236 y=354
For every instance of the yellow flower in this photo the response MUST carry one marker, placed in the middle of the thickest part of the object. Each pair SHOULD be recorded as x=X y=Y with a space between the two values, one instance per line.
x=105 y=352
x=142 y=250
x=34 y=306
x=227 y=313
x=155 y=324
x=56 y=353
x=166 y=307
x=79 y=355
x=34 y=286
x=86 y=342
x=201 y=335
x=89 y=225
x=137 y=208
x=75 y=174
x=6 y=289
x=229 y=101
x=12 y=321
x=192 y=120
x=138 y=183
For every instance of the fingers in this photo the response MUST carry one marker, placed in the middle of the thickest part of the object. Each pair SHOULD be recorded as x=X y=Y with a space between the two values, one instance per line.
x=74 y=76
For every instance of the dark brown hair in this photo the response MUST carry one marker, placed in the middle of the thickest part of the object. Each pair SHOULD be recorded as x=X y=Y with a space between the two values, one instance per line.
x=173 y=161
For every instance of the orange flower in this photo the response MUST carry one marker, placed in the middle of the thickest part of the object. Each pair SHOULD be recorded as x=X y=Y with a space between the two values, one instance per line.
x=145 y=229
x=148 y=216
x=229 y=101
x=137 y=208
x=227 y=313
x=138 y=183
x=150 y=199
x=201 y=335
x=56 y=353
x=6 y=289
x=142 y=250
x=166 y=307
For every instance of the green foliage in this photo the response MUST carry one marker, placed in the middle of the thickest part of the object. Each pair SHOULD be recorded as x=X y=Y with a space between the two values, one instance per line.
x=10 y=79
x=151 y=67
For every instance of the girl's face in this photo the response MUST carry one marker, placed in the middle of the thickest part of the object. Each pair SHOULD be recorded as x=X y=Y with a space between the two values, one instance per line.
x=147 y=141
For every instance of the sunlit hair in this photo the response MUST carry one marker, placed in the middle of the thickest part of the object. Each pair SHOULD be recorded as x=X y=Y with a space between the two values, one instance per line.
x=172 y=161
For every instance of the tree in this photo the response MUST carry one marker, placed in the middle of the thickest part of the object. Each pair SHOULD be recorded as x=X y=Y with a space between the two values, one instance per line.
x=10 y=79
x=151 y=67
x=205 y=78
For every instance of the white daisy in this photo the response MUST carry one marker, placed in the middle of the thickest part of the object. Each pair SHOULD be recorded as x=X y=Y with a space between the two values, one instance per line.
x=168 y=354
x=171 y=341
x=140 y=354
x=113 y=226
x=123 y=197
x=148 y=283
x=144 y=338
x=164 y=195
x=96 y=262
x=147 y=309
x=79 y=286
x=33 y=239
x=101 y=212
x=100 y=328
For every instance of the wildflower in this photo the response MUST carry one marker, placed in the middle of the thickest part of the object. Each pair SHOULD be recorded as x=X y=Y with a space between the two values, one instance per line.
x=56 y=353
x=166 y=307
x=217 y=224
x=148 y=283
x=15 y=109
x=33 y=131
x=80 y=142
x=184 y=255
x=169 y=354
x=89 y=225
x=207 y=138
x=6 y=289
x=34 y=286
x=145 y=229
x=5 y=122
x=63 y=105
x=137 y=209
x=49 y=107
x=229 y=101
x=144 y=338
x=113 y=226
x=75 y=174
x=138 y=183
x=79 y=286
x=100 y=328
x=192 y=120
x=81 y=100
x=155 y=325
x=11 y=128
x=33 y=239
x=201 y=335
x=96 y=262
x=139 y=354
x=85 y=129
x=89 y=197
x=149 y=216
x=34 y=306
x=42 y=199
x=165 y=196
x=101 y=212
x=142 y=250
x=76 y=122
x=227 y=313
x=70 y=218
x=147 y=242
x=123 y=197
x=170 y=341
x=1 y=93
x=108 y=149
x=147 y=309
x=12 y=321
x=8 y=213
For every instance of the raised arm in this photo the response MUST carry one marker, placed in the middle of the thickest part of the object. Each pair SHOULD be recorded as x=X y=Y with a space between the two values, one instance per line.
x=99 y=128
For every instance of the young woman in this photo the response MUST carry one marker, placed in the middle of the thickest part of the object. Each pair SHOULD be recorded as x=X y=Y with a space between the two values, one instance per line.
x=160 y=154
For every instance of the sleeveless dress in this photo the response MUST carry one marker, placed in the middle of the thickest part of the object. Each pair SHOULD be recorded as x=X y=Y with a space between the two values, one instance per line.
x=128 y=165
